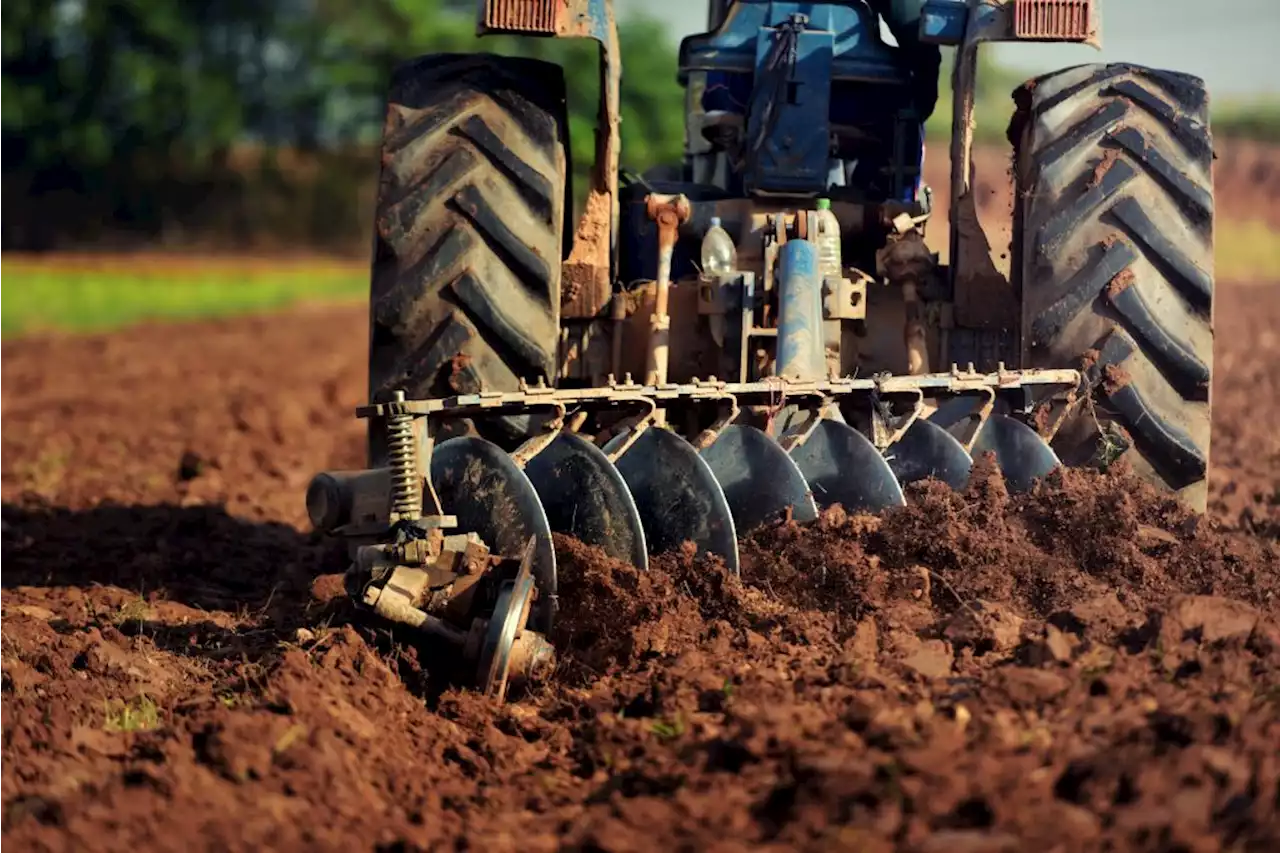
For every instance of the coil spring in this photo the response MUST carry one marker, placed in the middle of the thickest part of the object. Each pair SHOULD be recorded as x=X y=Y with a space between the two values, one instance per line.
x=406 y=496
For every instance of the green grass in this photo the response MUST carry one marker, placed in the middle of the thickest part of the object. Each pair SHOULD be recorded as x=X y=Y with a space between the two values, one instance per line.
x=36 y=296
x=136 y=715
x=1258 y=120
x=1246 y=252
x=64 y=293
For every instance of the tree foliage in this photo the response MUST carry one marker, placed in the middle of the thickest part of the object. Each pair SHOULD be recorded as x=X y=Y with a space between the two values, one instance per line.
x=113 y=110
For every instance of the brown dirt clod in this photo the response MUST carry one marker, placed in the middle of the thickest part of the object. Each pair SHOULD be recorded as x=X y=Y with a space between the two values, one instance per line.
x=1122 y=281
x=1114 y=378
x=1108 y=160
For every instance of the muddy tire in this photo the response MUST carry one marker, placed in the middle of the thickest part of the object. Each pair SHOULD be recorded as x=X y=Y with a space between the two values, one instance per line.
x=469 y=236
x=1113 y=242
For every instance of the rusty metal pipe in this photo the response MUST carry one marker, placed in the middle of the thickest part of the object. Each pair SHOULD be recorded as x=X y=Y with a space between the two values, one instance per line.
x=669 y=212
x=913 y=333
x=907 y=263
x=618 y=314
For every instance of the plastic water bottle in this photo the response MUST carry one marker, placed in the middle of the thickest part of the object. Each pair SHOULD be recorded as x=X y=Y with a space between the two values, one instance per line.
x=828 y=243
x=719 y=255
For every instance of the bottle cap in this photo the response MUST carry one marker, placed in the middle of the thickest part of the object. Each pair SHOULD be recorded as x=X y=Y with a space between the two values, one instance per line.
x=824 y=204
x=715 y=222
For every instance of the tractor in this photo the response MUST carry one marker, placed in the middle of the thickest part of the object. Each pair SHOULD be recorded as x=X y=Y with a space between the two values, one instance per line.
x=760 y=331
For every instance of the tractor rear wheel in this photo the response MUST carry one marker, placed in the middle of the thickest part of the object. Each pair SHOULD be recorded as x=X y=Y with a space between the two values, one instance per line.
x=1113 y=241
x=469 y=237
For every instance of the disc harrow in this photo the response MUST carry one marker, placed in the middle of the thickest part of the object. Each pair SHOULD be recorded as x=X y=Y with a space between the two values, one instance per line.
x=640 y=470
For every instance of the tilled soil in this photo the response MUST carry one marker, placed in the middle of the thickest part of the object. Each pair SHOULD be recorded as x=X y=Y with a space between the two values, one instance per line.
x=1082 y=668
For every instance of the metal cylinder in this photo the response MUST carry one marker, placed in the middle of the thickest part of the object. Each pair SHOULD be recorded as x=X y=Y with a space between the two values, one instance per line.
x=338 y=498
x=800 y=333
x=329 y=501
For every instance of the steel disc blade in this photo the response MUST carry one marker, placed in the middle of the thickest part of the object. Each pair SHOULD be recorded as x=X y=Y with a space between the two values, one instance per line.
x=678 y=496
x=954 y=412
x=510 y=611
x=1023 y=456
x=844 y=468
x=759 y=479
x=584 y=496
x=480 y=484
x=927 y=450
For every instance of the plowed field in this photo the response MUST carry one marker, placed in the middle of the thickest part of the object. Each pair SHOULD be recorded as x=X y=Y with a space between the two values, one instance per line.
x=1081 y=668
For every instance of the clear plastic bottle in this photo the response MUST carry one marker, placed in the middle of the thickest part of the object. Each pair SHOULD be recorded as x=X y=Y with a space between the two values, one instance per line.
x=828 y=243
x=719 y=255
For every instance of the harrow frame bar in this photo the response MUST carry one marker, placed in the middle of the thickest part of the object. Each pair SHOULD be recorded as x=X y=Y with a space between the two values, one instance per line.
x=710 y=390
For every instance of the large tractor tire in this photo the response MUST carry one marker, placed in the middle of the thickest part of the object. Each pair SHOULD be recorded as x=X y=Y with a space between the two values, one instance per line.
x=465 y=292
x=1113 y=241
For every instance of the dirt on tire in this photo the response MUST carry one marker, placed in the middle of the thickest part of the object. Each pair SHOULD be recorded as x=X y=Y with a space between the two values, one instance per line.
x=1084 y=667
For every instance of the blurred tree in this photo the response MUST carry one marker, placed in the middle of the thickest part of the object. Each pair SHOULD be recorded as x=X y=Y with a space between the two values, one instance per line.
x=120 y=111
x=106 y=101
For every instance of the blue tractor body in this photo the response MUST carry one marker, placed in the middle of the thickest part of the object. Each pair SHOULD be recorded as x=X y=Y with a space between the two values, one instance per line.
x=786 y=102
x=795 y=74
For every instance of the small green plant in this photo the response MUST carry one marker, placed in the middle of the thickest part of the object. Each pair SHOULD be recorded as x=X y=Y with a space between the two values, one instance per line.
x=890 y=775
x=1111 y=442
x=1109 y=450
x=136 y=715
x=136 y=610
x=668 y=729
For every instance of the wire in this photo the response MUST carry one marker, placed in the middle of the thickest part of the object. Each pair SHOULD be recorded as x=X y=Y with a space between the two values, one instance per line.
x=779 y=65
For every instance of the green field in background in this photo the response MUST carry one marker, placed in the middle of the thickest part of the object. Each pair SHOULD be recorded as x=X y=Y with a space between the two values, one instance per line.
x=36 y=297
x=63 y=296
x=1246 y=252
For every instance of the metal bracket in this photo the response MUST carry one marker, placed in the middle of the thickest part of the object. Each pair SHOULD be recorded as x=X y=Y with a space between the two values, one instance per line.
x=535 y=445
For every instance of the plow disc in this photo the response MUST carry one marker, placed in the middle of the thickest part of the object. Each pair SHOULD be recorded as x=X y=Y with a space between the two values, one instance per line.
x=1022 y=455
x=586 y=497
x=760 y=480
x=927 y=450
x=488 y=493
x=843 y=467
x=677 y=494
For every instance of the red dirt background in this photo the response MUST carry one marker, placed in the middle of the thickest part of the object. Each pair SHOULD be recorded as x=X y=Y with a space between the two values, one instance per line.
x=1082 y=668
